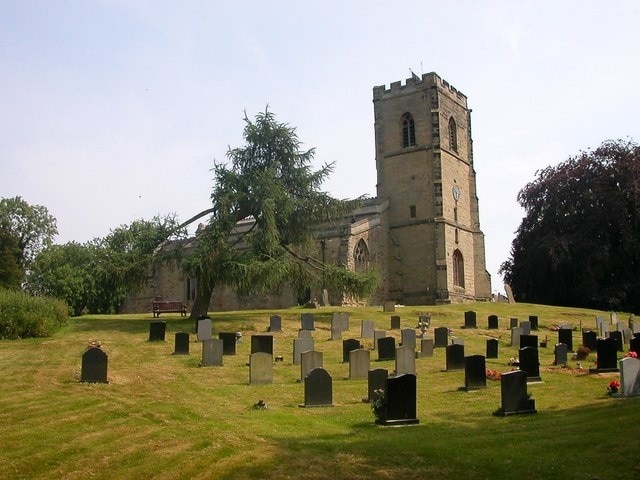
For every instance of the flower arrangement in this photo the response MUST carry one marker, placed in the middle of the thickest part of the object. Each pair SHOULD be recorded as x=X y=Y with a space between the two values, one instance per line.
x=631 y=354
x=378 y=402
x=493 y=374
x=614 y=387
x=94 y=344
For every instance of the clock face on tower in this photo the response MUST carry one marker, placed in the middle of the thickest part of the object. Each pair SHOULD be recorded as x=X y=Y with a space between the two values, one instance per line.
x=456 y=192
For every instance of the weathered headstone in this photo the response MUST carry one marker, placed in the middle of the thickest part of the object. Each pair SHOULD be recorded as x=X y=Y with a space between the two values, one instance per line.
x=260 y=368
x=395 y=322
x=367 y=328
x=228 y=342
x=405 y=360
x=560 y=354
x=318 y=389
x=509 y=292
x=262 y=343
x=307 y=321
x=533 y=321
x=426 y=347
x=470 y=319
x=341 y=319
x=359 y=362
x=310 y=360
x=617 y=337
x=203 y=331
x=94 y=366
x=607 y=356
x=455 y=357
x=348 y=346
x=565 y=335
x=389 y=306
x=386 y=348
x=305 y=334
x=492 y=322
x=336 y=330
x=590 y=339
x=530 y=363
x=440 y=337
x=528 y=341
x=613 y=317
x=400 y=401
x=376 y=380
x=475 y=373
x=630 y=377
x=275 y=323
x=514 y=396
x=301 y=345
x=525 y=326
x=377 y=335
x=492 y=348
x=157 y=331
x=181 y=343
x=408 y=337
x=599 y=323
x=516 y=333
x=212 y=352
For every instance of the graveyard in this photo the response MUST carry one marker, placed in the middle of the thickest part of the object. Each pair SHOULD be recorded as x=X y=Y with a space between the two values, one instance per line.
x=240 y=405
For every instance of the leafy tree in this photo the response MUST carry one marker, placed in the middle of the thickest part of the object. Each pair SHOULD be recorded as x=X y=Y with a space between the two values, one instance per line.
x=268 y=181
x=11 y=273
x=579 y=242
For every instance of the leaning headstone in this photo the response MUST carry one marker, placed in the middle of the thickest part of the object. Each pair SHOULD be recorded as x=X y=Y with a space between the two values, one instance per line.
x=408 y=337
x=513 y=323
x=475 y=373
x=376 y=380
x=359 y=362
x=426 y=347
x=533 y=321
x=514 y=396
x=181 y=343
x=157 y=330
x=94 y=366
x=301 y=345
x=526 y=327
x=630 y=377
x=395 y=322
x=606 y=356
x=470 y=319
x=492 y=348
x=455 y=357
x=310 y=360
x=260 y=368
x=275 y=323
x=399 y=401
x=530 y=363
x=509 y=292
x=386 y=348
x=492 y=322
x=440 y=337
x=560 y=354
x=228 y=342
x=348 y=346
x=405 y=360
x=516 y=333
x=617 y=337
x=366 y=328
x=262 y=343
x=203 y=331
x=565 y=335
x=377 y=335
x=318 y=389
x=212 y=352
x=590 y=339
x=307 y=321
x=528 y=341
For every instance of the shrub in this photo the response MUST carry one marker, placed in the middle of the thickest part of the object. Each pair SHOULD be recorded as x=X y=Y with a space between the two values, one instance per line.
x=582 y=352
x=22 y=315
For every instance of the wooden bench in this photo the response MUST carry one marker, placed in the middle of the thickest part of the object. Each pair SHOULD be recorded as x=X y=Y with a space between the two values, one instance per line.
x=169 y=306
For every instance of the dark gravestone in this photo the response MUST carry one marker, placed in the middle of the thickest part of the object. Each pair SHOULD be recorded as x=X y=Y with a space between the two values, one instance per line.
x=318 y=389
x=94 y=366
x=515 y=400
x=590 y=339
x=492 y=348
x=228 y=342
x=565 y=335
x=440 y=337
x=617 y=337
x=560 y=354
x=530 y=363
x=181 y=344
x=470 y=319
x=157 y=331
x=513 y=323
x=307 y=321
x=528 y=341
x=634 y=345
x=262 y=344
x=475 y=373
x=275 y=323
x=348 y=346
x=376 y=380
x=607 y=356
x=395 y=322
x=387 y=348
x=492 y=322
x=533 y=320
x=455 y=357
x=400 y=401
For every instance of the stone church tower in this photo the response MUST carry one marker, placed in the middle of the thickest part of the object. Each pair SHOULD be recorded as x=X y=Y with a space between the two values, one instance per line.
x=424 y=159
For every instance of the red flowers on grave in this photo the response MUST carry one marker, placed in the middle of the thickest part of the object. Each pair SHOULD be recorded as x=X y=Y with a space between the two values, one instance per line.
x=614 y=386
x=493 y=374
x=631 y=354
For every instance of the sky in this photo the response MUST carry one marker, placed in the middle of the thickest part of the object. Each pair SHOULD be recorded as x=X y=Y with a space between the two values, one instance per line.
x=115 y=110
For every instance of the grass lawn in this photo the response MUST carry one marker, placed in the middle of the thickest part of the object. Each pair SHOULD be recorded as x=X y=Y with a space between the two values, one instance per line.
x=162 y=416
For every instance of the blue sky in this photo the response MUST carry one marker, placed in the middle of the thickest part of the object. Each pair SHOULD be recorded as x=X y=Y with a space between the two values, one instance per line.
x=115 y=110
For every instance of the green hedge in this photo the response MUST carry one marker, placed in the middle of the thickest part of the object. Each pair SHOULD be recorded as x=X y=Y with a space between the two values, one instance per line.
x=22 y=315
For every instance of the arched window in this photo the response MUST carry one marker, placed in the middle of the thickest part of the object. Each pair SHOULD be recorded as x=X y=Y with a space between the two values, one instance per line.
x=361 y=256
x=408 y=131
x=453 y=135
x=458 y=268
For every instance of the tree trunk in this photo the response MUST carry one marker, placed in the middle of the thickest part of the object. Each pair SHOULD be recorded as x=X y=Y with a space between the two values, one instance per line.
x=201 y=302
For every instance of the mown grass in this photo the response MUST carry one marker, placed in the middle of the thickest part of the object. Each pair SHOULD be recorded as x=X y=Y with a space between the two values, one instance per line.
x=162 y=416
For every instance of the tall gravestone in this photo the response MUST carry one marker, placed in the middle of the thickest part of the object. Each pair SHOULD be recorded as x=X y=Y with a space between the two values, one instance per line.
x=94 y=366
x=492 y=322
x=426 y=347
x=514 y=396
x=408 y=337
x=533 y=321
x=228 y=342
x=262 y=343
x=516 y=334
x=376 y=380
x=470 y=319
x=318 y=389
x=348 y=346
x=607 y=356
x=630 y=377
x=565 y=335
x=341 y=320
x=475 y=373
x=367 y=328
x=359 y=362
x=275 y=323
x=616 y=336
x=492 y=348
x=336 y=329
x=181 y=343
x=300 y=345
x=157 y=331
x=455 y=357
x=400 y=401
x=525 y=326
x=212 y=352
x=440 y=337
x=530 y=363
x=260 y=368
x=395 y=322
x=203 y=331
x=528 y=341
x=405 y=360
x=307 y=321
x=387 y=348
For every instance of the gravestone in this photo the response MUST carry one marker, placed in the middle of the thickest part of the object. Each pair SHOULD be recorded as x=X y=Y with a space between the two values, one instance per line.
x=348 y=346
x=157 y=331
x=516 y=333
x=457 y=340
x=408 y=337
x=509 y=292
x=492 y=348
x=308 y=361
x=318 y=389
x=359 y=362
x=440 y=337
x=307 y=321
x=599 y=323
x=228 y=342
x=262 y=343
x=525 y=326
x=426 y=347
x=94 y=366
x=405 y=360
x=341 y=319
x=492 y=322
x=606 y=328
x=212 y=352
x=470 y=319
x=528 y=341
x=181 y=343
x=203 y=331
x=590 y=339
x=275 y=323
x=530 y=363
x=336 y=330
x=627 y=335
x=377 y=335
x=260 y=368
x=386 y=348
x=560 y=354
x=513 y=323
x=613 y=317
x=631 y=322
x=617 y=337
x=366 y=328
x=533 y=321
x=475 y=373
x=300 y=345
x=514 y=396
x=565 y=335
x=634 y=345
x=607 y=356
x=455 y=357
x=395 y=322
x=630 y=377
x=376 y=380
x=389 y=306
x=305 y=334
x=400 y=401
